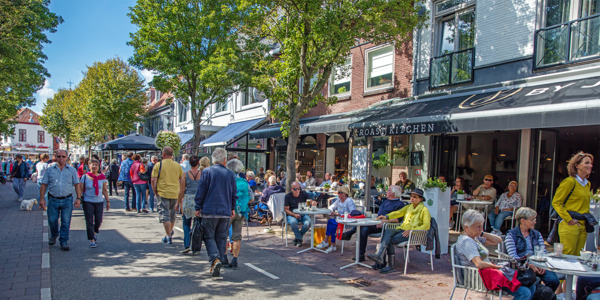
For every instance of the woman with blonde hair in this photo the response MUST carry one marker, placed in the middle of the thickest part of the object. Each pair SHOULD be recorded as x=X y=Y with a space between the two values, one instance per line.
x=573 y=194
x=188 y=185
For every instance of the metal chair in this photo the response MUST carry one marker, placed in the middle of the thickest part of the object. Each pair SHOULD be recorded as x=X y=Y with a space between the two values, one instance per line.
x=512 y=218
x=468 y=278
x=415 y=238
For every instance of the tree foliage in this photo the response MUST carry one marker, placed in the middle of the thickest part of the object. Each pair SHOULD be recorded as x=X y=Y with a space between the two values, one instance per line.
x=58 y=119
x=194 y=48
x=23 y=28
x=315 y=36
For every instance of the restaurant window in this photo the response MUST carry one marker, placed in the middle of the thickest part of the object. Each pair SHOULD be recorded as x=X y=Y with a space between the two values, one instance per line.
x=336 y=138
x=454 y=60
x=41 y=136
x=183 y=111
x=309 y=140
x=569 y=32
x=380 y=67
x=340 y=79
x=22 y=135
x=380 y=145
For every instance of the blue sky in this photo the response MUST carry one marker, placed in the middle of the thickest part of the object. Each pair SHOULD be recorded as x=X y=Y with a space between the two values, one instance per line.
x=92 y=31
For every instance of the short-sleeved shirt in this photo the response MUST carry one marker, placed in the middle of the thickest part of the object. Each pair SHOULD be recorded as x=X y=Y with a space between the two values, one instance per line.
x=292 y=201
x=60 y=182
x=125 y=166
x=89 y=193
x=41 y=169
x=488 y=192
x=505 y=202
x=468 y=248
x=167 y=185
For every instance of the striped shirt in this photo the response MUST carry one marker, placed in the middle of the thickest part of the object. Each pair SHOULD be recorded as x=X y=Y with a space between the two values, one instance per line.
x=511 y=246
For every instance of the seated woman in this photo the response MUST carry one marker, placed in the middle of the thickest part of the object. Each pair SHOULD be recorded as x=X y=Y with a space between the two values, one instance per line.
x=504 y=207
x=471 y=250
x=405 y=183
x=343 y=204
x=459 y=185
x=416 y=217
x=521 y=241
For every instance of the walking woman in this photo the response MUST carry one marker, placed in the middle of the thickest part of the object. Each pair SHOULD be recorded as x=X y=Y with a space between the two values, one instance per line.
x=113 y=176
x=83 y=167
x=575 y=190
x=94 y=190
x=138 y=184
x=188 y=185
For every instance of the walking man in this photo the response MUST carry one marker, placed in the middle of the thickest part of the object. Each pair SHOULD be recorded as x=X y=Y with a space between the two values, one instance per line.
x=20 y=174
x=215 y=202
x=185 y=163
x=125 y=177
x=165 y=185
x=62 y=183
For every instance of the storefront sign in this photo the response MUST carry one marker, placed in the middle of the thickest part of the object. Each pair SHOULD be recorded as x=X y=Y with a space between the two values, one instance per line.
x=320 y=165
x=397 y=129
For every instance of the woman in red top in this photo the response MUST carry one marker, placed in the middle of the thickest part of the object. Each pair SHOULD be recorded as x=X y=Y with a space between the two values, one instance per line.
x=83 y=167
x=138 y=184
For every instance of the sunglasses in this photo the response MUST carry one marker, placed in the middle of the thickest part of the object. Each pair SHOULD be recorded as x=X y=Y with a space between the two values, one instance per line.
x=60 y=156
x=488 y=179
x=340 y=192
x=295 y=189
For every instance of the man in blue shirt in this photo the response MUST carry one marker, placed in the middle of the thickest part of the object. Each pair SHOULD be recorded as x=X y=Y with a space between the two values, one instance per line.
x=62 y=182
x=125 y=177
x=327 y=180
x=393 y=203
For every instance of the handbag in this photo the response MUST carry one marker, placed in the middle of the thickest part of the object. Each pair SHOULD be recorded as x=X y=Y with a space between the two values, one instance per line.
x=144 y=176
x=527 y=277
x=196 y=235
x=553 y=236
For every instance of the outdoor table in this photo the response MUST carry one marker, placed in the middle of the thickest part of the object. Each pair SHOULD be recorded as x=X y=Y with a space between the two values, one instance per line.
x=312 y=214
x=474 y=202
x=569 y=273
x=358 y=223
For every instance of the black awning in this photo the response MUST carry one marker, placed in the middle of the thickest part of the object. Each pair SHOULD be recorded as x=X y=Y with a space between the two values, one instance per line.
x=322 y=124
x=130 y=142
x=557 y=104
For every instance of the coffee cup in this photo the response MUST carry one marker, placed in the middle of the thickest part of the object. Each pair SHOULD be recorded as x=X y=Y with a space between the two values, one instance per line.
x=368 y=214
x=586 y=255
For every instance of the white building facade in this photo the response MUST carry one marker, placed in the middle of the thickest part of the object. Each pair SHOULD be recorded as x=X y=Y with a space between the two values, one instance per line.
x=29 y=138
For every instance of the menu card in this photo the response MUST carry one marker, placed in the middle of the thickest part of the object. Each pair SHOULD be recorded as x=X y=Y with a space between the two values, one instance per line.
x=564 y=264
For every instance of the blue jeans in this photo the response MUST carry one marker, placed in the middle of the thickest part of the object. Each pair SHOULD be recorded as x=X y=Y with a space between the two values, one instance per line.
x=187 y=227
x=128 y=185
x=19 y=186
x=496 y=220
x=64 y=209
x=151 y=197
x=39 y=183
x=140 y=195
x=550 y=280
x=523 y=293
x=298 y=233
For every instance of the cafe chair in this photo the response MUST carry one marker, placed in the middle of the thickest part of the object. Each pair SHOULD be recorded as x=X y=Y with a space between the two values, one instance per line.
x=468 y=278
x=415 y=238
x=512 y=218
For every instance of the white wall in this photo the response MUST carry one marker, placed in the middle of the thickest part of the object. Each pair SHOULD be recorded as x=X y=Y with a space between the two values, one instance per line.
x=32 y=136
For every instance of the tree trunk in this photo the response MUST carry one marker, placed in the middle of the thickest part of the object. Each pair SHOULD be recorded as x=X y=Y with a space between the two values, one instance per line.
x=196 y=120
x=294 y=134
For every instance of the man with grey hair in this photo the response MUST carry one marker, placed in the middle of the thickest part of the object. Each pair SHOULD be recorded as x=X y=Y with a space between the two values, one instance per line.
x=264 y=198
x=216 y=199
x=391 y=204
x=185 y=163
x=62 y=182
x=244 y=194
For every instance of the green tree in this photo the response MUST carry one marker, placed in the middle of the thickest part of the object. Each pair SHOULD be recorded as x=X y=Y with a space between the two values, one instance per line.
x=111 y=97
x=315 y=36
x=23 y=27
x=194 y=48
x=58 y=118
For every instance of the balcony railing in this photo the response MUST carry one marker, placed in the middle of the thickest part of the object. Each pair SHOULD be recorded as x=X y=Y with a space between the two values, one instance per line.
x=452 y=68
x=573 y=41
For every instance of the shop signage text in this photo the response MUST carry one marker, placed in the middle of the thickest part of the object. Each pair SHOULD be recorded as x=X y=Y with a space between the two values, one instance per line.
x=396 y=130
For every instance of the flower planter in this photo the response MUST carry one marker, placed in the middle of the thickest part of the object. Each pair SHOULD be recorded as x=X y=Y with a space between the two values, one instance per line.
x=460 y=196
x=438 y=203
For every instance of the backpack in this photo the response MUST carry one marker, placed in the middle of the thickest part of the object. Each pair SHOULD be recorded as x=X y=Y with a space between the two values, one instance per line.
x=243 y=196
x=144 y=176
x=543 y=292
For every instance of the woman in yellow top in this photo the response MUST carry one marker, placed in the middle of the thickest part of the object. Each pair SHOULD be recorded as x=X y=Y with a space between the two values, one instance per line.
x=416 y=217
x=572 y=232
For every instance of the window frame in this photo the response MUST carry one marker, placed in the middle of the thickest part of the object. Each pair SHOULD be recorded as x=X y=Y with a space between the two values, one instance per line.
x=332 y=80
x=182 y=110
x=225 y=106
x=41 y=136
x=23 y=135
x=367 y=66
x=448 y=15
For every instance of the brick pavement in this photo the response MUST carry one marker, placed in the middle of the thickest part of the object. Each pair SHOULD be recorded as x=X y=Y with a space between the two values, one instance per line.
x=21 y=235
x=419 y=282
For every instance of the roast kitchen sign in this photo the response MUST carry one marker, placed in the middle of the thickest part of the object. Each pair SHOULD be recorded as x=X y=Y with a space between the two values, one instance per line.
x=443 y=123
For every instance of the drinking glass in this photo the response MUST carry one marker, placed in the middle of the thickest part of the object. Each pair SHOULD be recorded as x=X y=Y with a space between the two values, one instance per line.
x=558 y=249
x=539 y=252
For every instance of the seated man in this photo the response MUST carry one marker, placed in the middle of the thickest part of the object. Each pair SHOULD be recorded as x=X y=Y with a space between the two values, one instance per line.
x=390 y=205
x=264 y=198
x=416 y=217
x=291 y=202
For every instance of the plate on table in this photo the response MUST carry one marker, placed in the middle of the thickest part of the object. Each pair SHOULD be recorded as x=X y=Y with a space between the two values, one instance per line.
x=539 y=259
x=556 y=256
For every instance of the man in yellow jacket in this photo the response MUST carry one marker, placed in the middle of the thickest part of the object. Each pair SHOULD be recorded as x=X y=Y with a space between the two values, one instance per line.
x=416 y=217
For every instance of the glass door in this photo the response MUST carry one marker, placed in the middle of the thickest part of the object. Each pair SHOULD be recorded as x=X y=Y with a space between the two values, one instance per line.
x=543 y=177
x=445 y=150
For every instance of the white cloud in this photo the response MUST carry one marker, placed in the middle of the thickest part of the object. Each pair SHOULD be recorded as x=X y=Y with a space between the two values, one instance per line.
x=43 y=95
x=149 y=75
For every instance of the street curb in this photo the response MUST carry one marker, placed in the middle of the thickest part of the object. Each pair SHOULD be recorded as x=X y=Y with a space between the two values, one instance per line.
x=46 y=284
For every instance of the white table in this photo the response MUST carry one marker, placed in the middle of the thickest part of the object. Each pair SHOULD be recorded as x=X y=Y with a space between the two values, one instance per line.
x=473 y=202
x=358 y=223
x=569 y=273
x=312 y=214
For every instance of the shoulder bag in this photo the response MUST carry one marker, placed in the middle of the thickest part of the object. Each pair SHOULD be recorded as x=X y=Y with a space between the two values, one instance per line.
x=553 y=236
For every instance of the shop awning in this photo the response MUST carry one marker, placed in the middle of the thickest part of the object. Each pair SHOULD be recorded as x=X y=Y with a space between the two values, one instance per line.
x=185 y=136
x=130 y=142
x=230 y=132
x=556 y=104
x=322 y=124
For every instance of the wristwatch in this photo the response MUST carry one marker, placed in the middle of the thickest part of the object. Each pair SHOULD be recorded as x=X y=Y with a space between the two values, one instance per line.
x=482 y=233
x=78 y=199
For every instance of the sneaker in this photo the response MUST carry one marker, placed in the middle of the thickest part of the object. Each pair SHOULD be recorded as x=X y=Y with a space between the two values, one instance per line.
x=20 y=199
x=195 y=252
x=129 y=209
x=295 y=242
x=299 y=243
x=145 y=210
x=52 y=240
x=322 y=245
x=331 y=248
x=64 y=247
x=215 y=269
x=139 y=211
x=92 y=245
x=234 y=265
x=172 y=232
x=165 y=240
x=186 y=250
x=170 y=240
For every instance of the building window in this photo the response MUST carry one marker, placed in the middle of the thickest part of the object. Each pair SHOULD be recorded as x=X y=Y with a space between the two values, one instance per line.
x=247 y=97
x=22 y=135
x=222 y=106
x=41 y=137
x=183 y=112
x=380 y=68
x=570 y=32
x=341 y=78
x=455 y=35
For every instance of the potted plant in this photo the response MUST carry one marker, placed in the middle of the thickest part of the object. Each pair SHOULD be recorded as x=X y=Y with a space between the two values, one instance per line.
x=437 y=201
x=327 y=186
x=383 y=161
x=435 y=182
x=168 y=139
x=460 y=195
x=380 y=187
